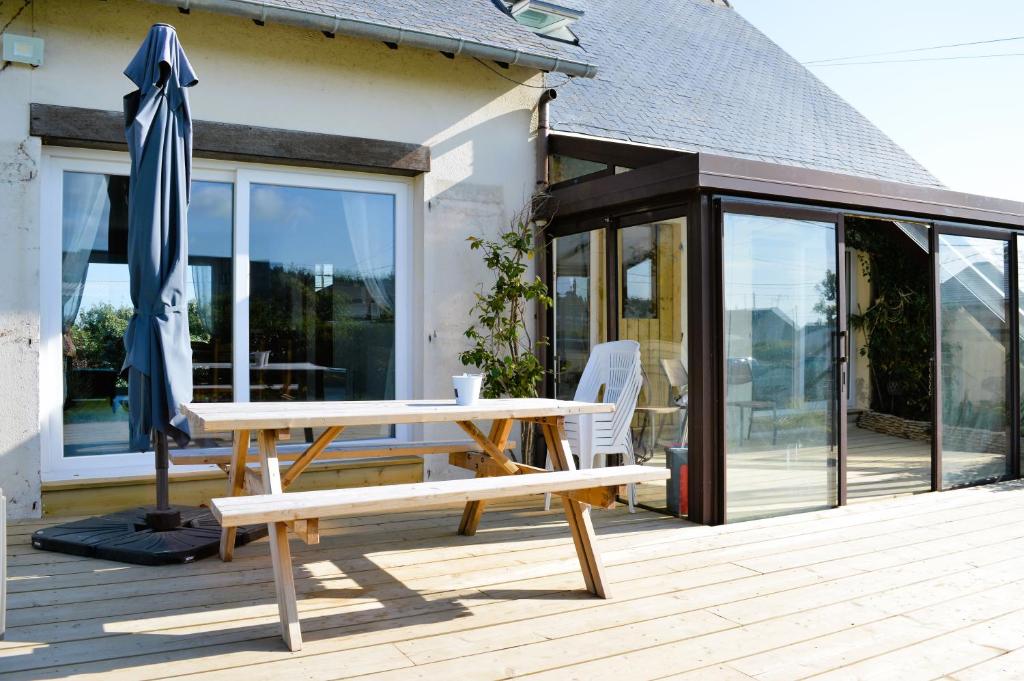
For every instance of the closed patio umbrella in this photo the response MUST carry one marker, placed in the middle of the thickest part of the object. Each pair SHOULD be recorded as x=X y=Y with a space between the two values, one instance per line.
x=158 y=351
x=158 y=358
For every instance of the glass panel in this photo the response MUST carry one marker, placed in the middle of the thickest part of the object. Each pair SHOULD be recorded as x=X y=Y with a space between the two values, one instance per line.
x=1020 y=339
x=565 y=168
x=889 y=357
x=654 y=307
x=975 y=346
x=780 y=324
x=322 y=297
x=96 y=306
x=580 y=304
x=638 y=254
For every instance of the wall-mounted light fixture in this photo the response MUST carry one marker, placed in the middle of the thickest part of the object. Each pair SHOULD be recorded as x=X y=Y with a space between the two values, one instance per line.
x=22 y=49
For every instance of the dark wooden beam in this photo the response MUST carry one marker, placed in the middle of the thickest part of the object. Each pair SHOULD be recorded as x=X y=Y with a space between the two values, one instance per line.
x=648 y=187
x=622 y=154
x=77 y=127
x=706 y=405
x=786 y=183
x=637 y=189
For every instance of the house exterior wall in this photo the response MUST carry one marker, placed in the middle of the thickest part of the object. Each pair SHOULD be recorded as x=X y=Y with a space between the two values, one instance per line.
x=478 y=125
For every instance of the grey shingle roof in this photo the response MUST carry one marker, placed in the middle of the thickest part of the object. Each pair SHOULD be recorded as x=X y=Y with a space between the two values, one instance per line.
x=460 y=24
x=478 y=20
x=696 y=76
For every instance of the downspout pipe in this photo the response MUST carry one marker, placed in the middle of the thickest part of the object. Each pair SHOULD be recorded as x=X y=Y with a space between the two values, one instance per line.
x=263 y=12
x=545 y=318
x=542 y=137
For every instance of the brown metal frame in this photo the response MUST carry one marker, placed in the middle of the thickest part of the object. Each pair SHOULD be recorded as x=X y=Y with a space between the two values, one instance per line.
x=704 y=182
x=706 y=405
x=724 y=175
x=1013 y=273
x=936 y=360
x=842 y=361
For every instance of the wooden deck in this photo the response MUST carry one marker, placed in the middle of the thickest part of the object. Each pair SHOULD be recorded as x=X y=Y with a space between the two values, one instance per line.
x=917 y=587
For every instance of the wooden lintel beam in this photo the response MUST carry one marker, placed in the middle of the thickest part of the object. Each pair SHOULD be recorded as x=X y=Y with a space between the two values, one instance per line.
x=94 y=128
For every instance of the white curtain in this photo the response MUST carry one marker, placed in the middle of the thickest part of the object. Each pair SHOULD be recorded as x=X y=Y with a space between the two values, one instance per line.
x=85 y=204
x=202 y=287
x=374 y=264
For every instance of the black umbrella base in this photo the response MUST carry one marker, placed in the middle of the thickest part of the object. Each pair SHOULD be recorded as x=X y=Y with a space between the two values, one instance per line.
x=125 y=537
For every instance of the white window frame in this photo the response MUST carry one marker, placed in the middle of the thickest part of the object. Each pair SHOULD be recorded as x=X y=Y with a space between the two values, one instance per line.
x=56 y=161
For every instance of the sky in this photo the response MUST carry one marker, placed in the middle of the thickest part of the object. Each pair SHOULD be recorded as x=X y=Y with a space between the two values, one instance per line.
x=963 y=119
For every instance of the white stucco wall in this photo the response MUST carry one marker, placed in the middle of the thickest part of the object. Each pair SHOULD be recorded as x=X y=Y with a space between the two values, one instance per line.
x=478 y=125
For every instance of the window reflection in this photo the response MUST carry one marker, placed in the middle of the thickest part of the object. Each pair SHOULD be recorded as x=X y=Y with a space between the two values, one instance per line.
x=654 y=313
x=96 y=306
x=322 y=297
x=975 y=346
x=780 y=321
x=638 y=252
x=579 y=306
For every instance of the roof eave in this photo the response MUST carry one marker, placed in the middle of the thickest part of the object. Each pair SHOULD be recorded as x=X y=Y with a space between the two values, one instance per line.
x=260 y=11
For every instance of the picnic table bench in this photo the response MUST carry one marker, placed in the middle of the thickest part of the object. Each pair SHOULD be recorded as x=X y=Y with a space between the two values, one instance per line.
x=497 y=475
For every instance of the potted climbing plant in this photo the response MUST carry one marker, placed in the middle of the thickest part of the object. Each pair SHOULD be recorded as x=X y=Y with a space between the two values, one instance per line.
x=501 y=345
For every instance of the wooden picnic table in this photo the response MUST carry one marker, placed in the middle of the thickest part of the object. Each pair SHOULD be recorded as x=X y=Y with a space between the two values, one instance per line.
x=578 y=490
x=273 y=419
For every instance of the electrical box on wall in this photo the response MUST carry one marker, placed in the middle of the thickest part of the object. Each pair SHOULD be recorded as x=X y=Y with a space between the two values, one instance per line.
x=22 y=49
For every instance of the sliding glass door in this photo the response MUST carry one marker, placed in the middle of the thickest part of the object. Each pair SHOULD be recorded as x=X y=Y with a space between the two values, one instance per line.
x=890 y=315
x=321 y=296
x=975 y=346
x=781 y=326
x=297 y=290
x=652 y=310
x=580 y=303
x=96 y=306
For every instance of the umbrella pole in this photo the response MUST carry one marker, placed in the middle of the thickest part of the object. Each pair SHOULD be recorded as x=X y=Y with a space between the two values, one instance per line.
x=163 y=483
x=164 y=518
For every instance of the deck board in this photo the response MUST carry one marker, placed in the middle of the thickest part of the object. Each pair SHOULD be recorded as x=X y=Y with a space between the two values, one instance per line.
x=860 y=591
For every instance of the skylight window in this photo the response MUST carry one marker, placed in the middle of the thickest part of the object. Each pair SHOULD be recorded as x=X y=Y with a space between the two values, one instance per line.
x=546 y=18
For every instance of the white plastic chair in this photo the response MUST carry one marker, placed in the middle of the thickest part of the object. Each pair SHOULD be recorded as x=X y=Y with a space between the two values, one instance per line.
x=616 y=367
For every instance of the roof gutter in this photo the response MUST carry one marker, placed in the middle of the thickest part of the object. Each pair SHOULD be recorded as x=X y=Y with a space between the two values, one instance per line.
x=261 y=11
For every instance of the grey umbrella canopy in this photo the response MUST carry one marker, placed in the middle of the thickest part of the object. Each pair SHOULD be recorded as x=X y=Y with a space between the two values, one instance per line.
x=158 y=127
x=159 y=355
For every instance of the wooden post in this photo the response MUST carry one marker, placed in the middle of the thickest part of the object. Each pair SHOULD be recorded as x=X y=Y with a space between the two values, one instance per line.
x=236 y=483
x=498 y=440
x=280 y=554
x=3 y=565
x=577 y=514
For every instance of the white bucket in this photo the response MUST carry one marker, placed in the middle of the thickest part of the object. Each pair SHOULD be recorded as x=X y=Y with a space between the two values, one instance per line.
x=467 y=388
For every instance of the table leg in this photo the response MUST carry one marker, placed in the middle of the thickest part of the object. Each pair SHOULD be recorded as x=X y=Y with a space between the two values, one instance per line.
x=236 y=483
x=280 y=554
x=500 y=431
x=576 y=513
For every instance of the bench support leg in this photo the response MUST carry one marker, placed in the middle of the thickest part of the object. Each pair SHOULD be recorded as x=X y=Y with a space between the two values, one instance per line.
x=500 y=431
x=280 y=554
x=577 y=514
x=236 y=483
